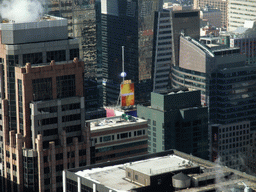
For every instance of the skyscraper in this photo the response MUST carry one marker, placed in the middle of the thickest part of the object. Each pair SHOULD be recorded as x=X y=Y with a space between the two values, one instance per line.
x=227 y=87
x=162 y=51
x=129 y=24
x=183 y=22
x=81 y=16
x=42 y=126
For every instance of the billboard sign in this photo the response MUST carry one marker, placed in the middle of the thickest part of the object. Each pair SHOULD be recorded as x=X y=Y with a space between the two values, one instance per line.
x=127 y=94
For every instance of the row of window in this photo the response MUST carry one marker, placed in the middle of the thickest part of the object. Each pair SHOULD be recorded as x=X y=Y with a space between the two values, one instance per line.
x=235 y=133
x=226 y=141
x=124 y=135
x=234 y=145
x=237 y=127
x=54 y=109
x=116 y=147
x=121 y=154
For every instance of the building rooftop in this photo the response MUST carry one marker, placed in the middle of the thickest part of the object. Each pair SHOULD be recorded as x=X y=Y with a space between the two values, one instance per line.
x=43 y=18
x=113 y=122
x=45 y=21
x=161 y=165
x=205 y=175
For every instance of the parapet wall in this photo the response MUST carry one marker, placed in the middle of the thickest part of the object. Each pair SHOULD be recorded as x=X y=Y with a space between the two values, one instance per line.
x=53 y=28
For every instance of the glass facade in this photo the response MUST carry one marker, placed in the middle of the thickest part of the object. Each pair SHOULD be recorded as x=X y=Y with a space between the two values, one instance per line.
x=11 y=62
x=20 y=101
x=66 y=86
x=229 y=93
x=42 y=89
x=132 y=26
x=30 y=173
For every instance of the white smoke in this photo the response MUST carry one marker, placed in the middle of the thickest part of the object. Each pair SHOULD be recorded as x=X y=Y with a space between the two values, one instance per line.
x=21 y=11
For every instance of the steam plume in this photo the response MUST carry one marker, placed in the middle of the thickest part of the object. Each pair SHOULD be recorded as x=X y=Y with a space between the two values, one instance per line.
x=21 y=10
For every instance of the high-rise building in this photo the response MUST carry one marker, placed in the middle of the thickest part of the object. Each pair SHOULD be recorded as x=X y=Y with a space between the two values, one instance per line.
x=81 y=16
x=240 y=11
x=212 y=16
x=177 y=121
x=227 y=87
x=245 y=38
x=129 y=24
x=43 y=113
x=162 y=51
x=223 y=77
x=183 y=22
x=222 y=5
x=169 y=24
x=230 y=143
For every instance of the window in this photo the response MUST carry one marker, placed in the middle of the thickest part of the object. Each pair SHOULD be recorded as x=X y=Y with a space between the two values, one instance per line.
x=124 y=135
x=70 y=106
x=129 y=174
x=82 y=152
x=59 y=179
x=59 y=167
x=47 y=181
x=48 y=109
x=59 y=156
x=136 y=177
x=66 y=86
x=50 y=132
x=48 y=121
x=72 y=128
x=33 y=58
x=154 y=123
x=56 y=55
x=14 y=156
x=42 y=89
x=73 y=117
x=106 y=138
x=46 y=170
x=73 y=53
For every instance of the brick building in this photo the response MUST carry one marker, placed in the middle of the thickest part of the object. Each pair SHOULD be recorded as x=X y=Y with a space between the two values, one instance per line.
x=42 y=127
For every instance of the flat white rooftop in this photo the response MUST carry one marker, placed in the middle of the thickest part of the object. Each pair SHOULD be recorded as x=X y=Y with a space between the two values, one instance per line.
x=114 y=176
x=113 y=122
x=162 y=165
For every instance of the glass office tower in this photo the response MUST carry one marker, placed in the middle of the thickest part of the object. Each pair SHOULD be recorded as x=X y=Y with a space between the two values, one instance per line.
x=129 y=24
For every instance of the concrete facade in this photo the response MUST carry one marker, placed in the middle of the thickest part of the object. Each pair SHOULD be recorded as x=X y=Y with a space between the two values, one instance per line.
x=222 y=5
x=186 y=22
x=240 y=11
x=213 y=16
